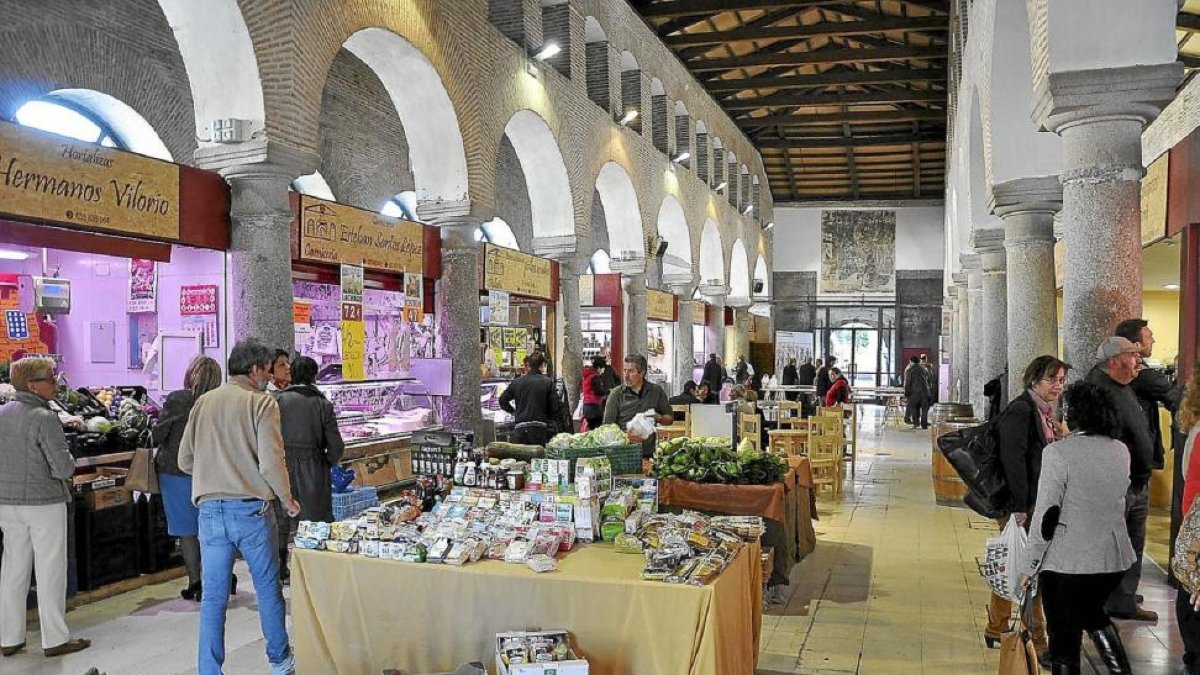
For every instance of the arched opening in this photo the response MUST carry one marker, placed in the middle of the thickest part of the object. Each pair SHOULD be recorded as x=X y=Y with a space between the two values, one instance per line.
x=622 y=217
x=719 y=180
x=733 y=176
x=497 y=232
x=92 y=117
x=660 y=132
x=744 y=190
x=548 y=190
x=436 y=155
x=631 y=92
x=703 y=170
x=712 y=256
x=762 y=280
x=739 y=274
x=684 y=153
x=599 y=65
x=673 y=228
x=599 y=263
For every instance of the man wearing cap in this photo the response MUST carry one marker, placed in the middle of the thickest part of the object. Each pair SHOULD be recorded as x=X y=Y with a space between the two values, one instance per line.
x=1118 y=364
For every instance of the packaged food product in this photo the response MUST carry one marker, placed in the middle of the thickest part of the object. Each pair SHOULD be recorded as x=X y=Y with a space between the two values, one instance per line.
x=309 y=543
x=541 y=563
x=517 y=551
x=627 y=543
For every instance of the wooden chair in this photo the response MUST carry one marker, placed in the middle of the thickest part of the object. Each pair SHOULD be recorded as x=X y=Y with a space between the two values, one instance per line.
x=789 y=415
x=893 y=411
x=788 y=441
x=750 y=426
x=681 y=427
x=825 y=460
x=846 y=416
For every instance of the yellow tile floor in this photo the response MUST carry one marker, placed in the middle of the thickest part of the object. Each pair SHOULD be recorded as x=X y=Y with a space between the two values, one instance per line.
x=893 y=585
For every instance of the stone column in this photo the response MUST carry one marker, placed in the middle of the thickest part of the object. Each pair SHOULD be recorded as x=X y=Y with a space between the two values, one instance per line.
x=962 y=341
x=1100 y=115
x=1027 y=206
x=994 y=308
x=715 y=324
x=458 y=313
x=978 y=376
x=571 y=365
x=684 y=333
x=636 y=332
x=741 y=331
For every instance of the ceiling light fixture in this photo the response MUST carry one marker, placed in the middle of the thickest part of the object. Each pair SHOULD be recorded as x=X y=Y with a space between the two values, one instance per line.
x=746 y=211
x=9 y=254
x=769 y=226
x=681 y=157
x=549 y=50
x=628 y=117
x=724 y=184
x=1171 y=287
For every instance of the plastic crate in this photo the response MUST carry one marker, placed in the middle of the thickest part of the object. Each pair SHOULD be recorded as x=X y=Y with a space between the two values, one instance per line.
x=350 y=504
x=625 y=459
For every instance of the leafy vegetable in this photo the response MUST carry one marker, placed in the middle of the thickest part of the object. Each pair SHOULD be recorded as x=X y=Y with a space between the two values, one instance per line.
x=605 y=436
x=712 y=460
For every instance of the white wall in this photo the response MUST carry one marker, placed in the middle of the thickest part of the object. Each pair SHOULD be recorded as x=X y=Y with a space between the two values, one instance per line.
x=919 y=237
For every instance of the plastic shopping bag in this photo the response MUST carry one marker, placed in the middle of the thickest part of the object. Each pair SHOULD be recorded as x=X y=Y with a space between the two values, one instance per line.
x=642 y=425
x=1002 y=560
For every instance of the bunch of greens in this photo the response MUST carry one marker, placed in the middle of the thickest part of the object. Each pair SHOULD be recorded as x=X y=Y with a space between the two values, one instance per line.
x=712 y=460
x=602 y=437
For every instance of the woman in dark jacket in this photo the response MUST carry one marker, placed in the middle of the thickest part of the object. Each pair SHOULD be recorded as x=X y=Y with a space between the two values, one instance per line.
x=1023 y=430
x=183 y=518
x=312 y=446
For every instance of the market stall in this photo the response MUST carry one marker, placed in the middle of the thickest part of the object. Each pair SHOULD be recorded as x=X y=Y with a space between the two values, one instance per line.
x=662 y=311
x=602 y=316
x=362 y=302
x=119 y=275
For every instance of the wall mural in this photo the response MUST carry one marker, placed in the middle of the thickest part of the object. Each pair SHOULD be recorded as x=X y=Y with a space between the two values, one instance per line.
x=858 y=252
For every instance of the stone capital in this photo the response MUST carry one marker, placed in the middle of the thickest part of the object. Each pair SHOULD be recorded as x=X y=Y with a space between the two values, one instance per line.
x=958 y=278
x=1043 y=194
x=716 y=291
x=970 y=262
x=987 y=240
x=560 y=247
x=739 y=303
x=1076 y=97
x=256 y=159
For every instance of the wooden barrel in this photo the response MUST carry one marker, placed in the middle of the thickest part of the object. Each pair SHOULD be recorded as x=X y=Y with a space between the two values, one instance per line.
x=947 y=411
x=948 y=488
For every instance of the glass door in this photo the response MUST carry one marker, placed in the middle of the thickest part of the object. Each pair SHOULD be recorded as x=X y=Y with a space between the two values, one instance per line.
x=864 y=354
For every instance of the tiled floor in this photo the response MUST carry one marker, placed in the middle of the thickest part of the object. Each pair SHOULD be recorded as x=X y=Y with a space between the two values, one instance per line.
x=892 y=588
x=893 y=585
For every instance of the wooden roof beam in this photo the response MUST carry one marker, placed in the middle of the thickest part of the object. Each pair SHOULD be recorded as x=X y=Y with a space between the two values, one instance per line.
x=679 y=8
x=819 y=57
x=824 y=29
x=855 y=142
x=891 y=95
x=864 y=117
x=829 y=79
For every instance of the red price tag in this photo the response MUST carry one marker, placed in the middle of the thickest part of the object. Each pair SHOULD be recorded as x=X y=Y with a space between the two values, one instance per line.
x=352 y=311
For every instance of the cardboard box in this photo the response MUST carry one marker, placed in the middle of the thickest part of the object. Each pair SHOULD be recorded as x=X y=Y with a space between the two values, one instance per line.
x=378 y=470
x=105 y=498
x=572 y=666
x=103 y=487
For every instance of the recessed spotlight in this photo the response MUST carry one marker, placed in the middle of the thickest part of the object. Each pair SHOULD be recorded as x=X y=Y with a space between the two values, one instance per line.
x=724 y=184
x=681 y=157
x=1171 y=287
x=9 y=254
x=628 y=117
x=548 y=50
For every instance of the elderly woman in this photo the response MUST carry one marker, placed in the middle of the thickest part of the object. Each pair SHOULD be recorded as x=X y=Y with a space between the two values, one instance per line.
x=183 y=518
x=1078 y=540
x=35 y=477
x=312 y=446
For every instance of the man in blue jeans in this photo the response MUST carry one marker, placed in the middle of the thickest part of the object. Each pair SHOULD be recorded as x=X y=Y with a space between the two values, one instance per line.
x=234 y=450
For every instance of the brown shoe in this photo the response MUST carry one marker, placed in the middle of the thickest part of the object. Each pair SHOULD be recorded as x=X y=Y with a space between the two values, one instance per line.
x=68 y=647
x=1138 y=614
x=9 y=651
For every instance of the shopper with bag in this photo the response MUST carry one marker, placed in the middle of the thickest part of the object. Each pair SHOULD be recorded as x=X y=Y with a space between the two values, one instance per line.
x=183 y=518
x=1023 y=430
x=1079 y=545
x=634 y=399
x=1184 y=562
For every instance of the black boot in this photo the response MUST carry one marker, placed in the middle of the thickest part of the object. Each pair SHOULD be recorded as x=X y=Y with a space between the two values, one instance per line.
x=192 y=592
x=1112 y=650
x=1064 y=669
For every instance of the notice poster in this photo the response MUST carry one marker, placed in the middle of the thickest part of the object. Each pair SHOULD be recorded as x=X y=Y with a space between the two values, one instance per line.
x=414 y=291
x=354 y=342
x=143 y=286
x=198 y=300
x=792 y=345
x=352 y=283
x=204 y=325
x=587 y=290
x=498 y=308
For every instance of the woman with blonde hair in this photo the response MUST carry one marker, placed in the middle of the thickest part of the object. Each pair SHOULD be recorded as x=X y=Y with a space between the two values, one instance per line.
x=183 y=518
x=1187 y=605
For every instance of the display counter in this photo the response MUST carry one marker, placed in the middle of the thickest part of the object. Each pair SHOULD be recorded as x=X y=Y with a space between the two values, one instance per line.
x=348 y=618
x=787 y=508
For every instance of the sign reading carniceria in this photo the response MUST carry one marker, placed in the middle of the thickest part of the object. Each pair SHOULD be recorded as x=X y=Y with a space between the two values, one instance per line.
x=58 y=179
x=336 y=233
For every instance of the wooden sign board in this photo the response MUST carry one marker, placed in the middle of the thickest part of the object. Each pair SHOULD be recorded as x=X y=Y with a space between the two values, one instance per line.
x=518 y=273
x=340 y=234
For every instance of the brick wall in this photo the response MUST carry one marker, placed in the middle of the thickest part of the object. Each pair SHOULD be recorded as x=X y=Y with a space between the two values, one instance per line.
x=512 y=195
x=556 y=28
x=659 y=130
x=703 y=170
x=364 y=154
x=683 y=139
x=631 y=98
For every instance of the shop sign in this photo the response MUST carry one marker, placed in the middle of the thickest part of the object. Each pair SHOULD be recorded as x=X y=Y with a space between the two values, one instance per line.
x=660 y=306
x=336 y=233
x=587 y=290
x=143 y=286
x=57 y=179
x=1154 y=200
x=698 y=313
x=198 y=300
x=518 y=273
x=354 y=342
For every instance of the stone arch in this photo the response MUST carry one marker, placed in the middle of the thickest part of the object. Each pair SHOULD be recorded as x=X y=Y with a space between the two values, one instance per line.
x=977 y=171
x=712 y=255
x=615 y=194
x=703 y=166
x=548 y=188
x=436 y=153
x=739 y=272
x=134 y=132
x=64 y=47
x=365 y=162
x=219 y=56
x=762 y=274
x=673 y=228
x=593 y=31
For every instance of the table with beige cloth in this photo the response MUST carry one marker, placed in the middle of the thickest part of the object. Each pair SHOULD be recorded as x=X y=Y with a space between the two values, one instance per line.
x=787 y=508
x=357 y=616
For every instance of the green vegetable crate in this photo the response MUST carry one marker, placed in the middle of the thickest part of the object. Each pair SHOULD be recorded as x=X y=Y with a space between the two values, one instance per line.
x=625 y=459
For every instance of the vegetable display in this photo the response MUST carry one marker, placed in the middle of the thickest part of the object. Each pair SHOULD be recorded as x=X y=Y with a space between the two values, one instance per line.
x=712 y=460
x=602 y=437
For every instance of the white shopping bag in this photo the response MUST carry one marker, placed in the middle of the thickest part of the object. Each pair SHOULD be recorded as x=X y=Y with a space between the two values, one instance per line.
x=1001 y=562
x=642 y=425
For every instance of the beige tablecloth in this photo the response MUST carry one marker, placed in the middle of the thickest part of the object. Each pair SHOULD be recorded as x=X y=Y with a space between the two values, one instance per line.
x=354 y=615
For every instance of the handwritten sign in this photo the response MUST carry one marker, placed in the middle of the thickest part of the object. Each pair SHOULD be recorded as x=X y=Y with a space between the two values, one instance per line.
x=198 y=300
x=54 y=178
x=302 y=312
x=518 y=273
x=660 y=306
x=354 y=343
x=587 y=290
x=336 y=233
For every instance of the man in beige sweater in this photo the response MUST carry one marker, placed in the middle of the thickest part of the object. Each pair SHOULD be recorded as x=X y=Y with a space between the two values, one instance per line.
x=233 y=449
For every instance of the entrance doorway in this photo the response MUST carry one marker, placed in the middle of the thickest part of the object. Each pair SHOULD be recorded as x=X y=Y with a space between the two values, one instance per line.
x=863 y=353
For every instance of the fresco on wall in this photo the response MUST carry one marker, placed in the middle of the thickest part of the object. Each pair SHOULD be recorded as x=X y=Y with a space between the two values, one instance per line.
x=858 y=252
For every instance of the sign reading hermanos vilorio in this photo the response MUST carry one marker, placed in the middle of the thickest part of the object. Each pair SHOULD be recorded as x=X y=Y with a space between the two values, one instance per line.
x=336 y=233
x=58 y=179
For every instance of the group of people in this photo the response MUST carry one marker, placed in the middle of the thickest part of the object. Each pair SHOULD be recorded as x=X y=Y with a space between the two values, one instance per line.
x=1077 y=476
x=239 y=464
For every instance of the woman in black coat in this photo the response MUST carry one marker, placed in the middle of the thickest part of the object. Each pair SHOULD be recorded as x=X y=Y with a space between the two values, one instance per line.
x=312 y=446
x=1023 y=430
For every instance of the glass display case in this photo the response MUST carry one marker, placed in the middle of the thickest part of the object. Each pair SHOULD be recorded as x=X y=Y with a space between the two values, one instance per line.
x=379 y=409
x=489 y=401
